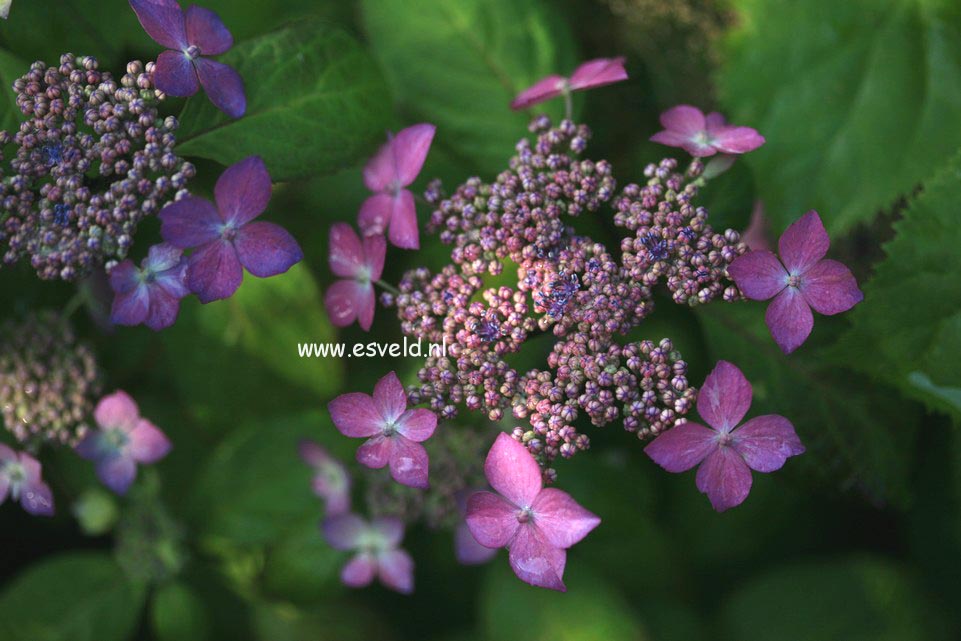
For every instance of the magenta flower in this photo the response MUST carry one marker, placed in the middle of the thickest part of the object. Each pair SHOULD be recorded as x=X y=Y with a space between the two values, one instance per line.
x=189 y=36
x=536 y=524
x=804 y=281
x=593 y=73
x=378 y=554
x=359 y=263
x=331 y=481
x=394 y=432
x=123 y=440
x=20 y=479
x=466 y=548
x=149 y=295
x=391 y=209
x=727 y=453
x=687 y=127
x=225 y=238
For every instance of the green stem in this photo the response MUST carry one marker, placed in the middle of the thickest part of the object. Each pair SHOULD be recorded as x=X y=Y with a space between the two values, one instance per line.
x=75 y=303
x=568 y=105
x=393 y=290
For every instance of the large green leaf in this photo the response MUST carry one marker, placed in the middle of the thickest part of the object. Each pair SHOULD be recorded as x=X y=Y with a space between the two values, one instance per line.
x=459 y=65
x=856 y=100
x=71 y=597
x=315 y=103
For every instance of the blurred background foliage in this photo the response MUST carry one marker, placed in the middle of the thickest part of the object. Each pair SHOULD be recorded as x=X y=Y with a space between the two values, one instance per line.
x=858 y=539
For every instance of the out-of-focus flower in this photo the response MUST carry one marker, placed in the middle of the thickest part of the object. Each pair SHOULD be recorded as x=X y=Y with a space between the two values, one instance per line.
x=393 y=432
x=189 y=36
x=727 y=453
x=331 y=481
x=801 y=280
x=593 y=73
x=536 y=524
x=755 y=236
x=151 y=294
x=359 y=263
x=123 y=440
x=376 y=544
x=687 y=127
x=225 y=236
x=391 y=209
x=20 y=479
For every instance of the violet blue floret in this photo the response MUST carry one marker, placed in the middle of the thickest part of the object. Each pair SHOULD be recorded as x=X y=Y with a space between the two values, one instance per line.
x=359 y=263
x=331 y=481
x=151 y=294
x=593 y=73
x=377 y=551
x=225 y=236
x=800 y=281
x=123 y=441
x=20 y=479
x=394 y=433
x=687 y=127
x=725 y=451
x=391 y=209
x=189 y=37
x=536 y=524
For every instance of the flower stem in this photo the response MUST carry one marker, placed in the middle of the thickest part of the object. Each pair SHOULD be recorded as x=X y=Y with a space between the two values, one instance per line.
x=568 y=105
x=393 y=290
x=76 y=302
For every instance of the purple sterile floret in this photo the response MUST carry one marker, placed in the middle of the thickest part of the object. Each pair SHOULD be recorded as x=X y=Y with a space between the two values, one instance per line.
x=226 y=238
x=377 y=551
x=593 y=73
x=687 y=127
x=123 y=440
x=394 y=433
x=151 y=294
x=466 y=548
x=801 y=280
x=20 y=479
x=189 y=37
x=359 y=263
x=331 y=481
x=726 y=452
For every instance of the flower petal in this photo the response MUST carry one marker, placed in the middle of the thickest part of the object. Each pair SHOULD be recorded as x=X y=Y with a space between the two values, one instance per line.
x=346 y=254
x=37 y=499
x=688 y=144
x=214 y=272
x=132 y=307
x=545 y=89
x=223 y=85
x=736 y=140
x=117 y=411
x=356 y=415
x=190 y=222
x=344 y=532
x=375 y=250
x=725 y=478
x=375 y=214
x=766 y=442
x=147 y=443
x=410 y=147
x=391 y=528
x=163 y=311
x=758 y=274
x=349 y=300
x=266 y=249
x=117 y=473
x=243 y=191
x=390 y=399
x=491 y=519
x=409 y=462
x=597 y=73
x=790 y=320
x=803 y=243
x=359 y=571
x=685 y=120
x=162 y=257
x=682 y=447
x=467 y=550
x=380 y=172
x=163 y=21
x=175 y=75
x=312 y=453
x=396 y=570
x=418 y=424
x=830 y=288
x=402 y=231
x=725 y=397
x=561 y=519
x=512 y=471
x=206 y=30
x=375 y=452
x=535 y=561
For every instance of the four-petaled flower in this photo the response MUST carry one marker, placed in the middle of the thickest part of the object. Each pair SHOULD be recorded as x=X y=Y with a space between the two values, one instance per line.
x=687 y=127
x=535 y=523
x=189 y=36
x=804 y=281
x=151 y=294
x=593 y=73
x=391 y=209
x=359 y=264
x=394 y=432
x=378 y=554
x=727 y=453
x=20 y=479
x=123 y=440
x=225 y=238
x=331 y=481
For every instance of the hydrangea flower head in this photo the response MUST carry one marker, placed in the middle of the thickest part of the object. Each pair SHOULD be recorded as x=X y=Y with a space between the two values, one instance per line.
x=226 y=237
x=687 y=127
x=376 y=544
x=123 y=440
x=593 y=73
x=20 y=479
x=800 y=281
x=331 y=481
x=359 y=263
x=535 y=523
x=189 y=36
x=725 y=452
x=394 y=433
x=151 y=294
x=391 y=209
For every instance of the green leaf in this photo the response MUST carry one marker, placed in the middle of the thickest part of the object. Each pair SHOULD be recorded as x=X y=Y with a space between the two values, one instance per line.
x=11 y=68
x=458 y=65
x=315 y=103
x=908 y=329
x=178 y=615
x=301 y=566
x=853 y=97
x=71 y=597
x=859 y=599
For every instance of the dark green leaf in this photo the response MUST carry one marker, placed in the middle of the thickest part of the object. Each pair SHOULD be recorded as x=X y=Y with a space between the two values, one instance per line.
x=178 y=615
